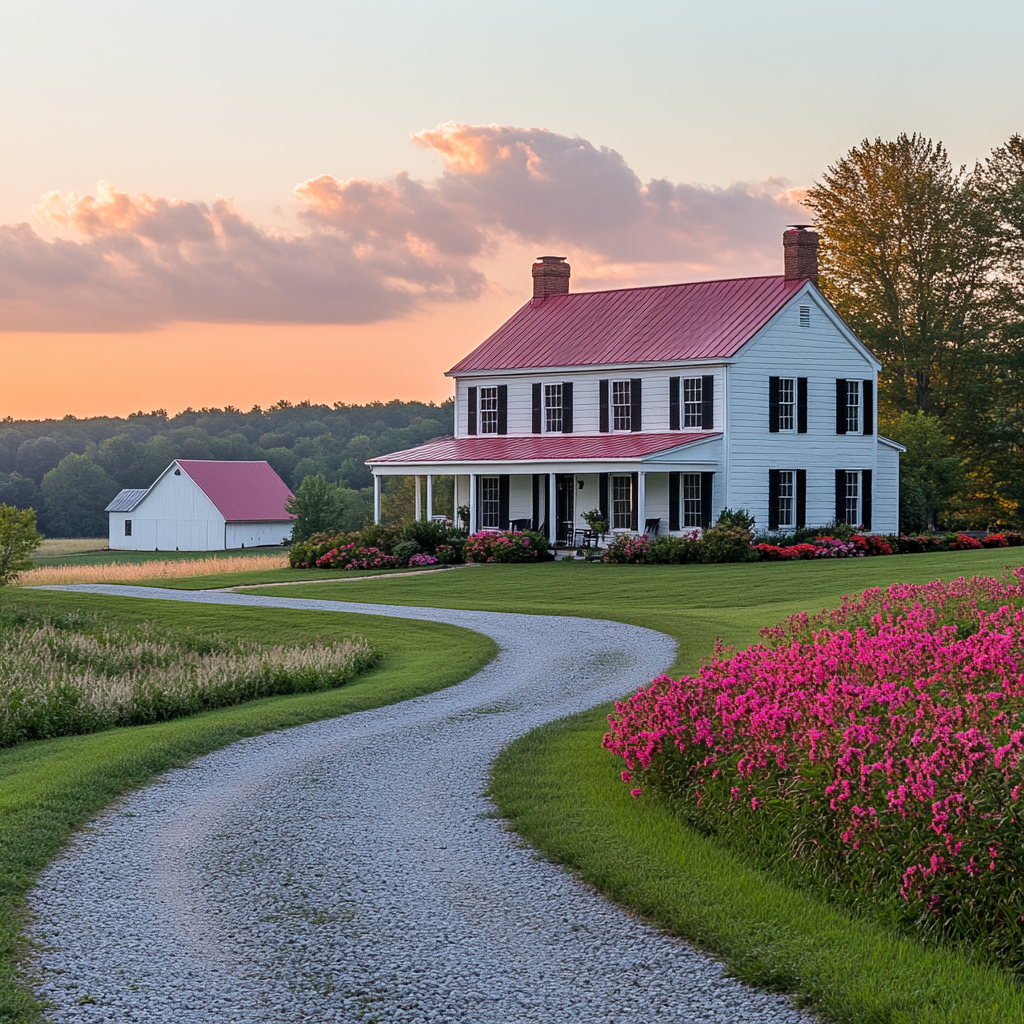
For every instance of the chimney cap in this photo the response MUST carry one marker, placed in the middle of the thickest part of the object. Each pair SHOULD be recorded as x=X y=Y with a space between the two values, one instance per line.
x=552 y=259
x=800 y=227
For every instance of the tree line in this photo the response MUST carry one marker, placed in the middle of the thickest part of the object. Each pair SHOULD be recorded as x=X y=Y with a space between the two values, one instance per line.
x=69 y=469
x=925 y=262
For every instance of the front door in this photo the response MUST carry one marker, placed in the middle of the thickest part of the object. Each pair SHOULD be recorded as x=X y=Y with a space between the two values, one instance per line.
x=565 y=508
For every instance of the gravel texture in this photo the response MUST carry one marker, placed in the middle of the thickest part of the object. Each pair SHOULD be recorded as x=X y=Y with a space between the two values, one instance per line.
x=351 y=870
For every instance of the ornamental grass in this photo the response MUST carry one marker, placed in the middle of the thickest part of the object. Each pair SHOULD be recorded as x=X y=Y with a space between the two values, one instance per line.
x=872 y=753
x=134 y=572
x=62 y=677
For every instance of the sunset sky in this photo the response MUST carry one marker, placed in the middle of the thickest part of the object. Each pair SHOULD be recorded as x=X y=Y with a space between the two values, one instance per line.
x=235 y=202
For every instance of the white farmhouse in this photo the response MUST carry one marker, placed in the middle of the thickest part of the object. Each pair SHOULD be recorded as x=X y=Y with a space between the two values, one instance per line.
x=201 y=505
x=660 y=406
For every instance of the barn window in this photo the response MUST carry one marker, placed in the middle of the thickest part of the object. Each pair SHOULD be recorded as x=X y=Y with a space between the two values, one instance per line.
x=621 y=405
x=693 y=402
x=553 y=408
x=691 y=500
x=490 y=502
x=488 y=410
x=127 y=527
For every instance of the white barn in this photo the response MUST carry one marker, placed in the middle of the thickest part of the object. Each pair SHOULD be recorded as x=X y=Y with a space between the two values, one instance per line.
x=203 y=505
x=661 y=406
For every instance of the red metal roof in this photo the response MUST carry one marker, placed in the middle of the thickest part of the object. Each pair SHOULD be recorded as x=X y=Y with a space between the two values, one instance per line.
x=248 y=492
x=705 y=320
x=543 y=448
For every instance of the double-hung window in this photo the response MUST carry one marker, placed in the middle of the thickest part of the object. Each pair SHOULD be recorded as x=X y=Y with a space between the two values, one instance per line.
x=622 y=502
x=787 y=403
x=691 y=500
x=553 y=408
x=853 y=406
x=621 y=405
x=490 y=503
x=693 y=402
x=488 y=410
x=787 y=494
x=852 y=502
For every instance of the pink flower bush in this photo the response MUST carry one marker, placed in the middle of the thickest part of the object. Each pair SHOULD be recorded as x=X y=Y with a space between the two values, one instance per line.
x=348 y=556
x=491 y=546
x=422 y=559
x=879 y=746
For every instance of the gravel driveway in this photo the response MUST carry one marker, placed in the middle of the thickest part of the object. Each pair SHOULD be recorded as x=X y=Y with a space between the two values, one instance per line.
x=349 y=870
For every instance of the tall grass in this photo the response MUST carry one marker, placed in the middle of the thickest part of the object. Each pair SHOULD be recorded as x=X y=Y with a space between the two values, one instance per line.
x=62 y=677
x=58 y=547
x=45 y=575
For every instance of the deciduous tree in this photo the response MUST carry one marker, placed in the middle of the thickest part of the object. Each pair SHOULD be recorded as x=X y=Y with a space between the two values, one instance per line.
x=18 y=539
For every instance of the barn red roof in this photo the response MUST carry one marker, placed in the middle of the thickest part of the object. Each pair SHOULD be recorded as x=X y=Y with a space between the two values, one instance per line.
x=705 y=320
x=248 y=492
x=543 y=447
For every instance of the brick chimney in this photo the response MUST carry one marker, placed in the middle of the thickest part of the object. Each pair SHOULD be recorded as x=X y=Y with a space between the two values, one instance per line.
x=550 y=277
x=801 y=250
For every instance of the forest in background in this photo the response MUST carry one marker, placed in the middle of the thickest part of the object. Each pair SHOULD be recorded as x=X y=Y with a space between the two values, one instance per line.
x=69 y=469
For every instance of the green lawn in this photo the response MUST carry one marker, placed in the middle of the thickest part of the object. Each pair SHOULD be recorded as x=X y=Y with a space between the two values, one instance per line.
x=249 y=578
x=562 y=790
x=48 y=788
x=135 y=557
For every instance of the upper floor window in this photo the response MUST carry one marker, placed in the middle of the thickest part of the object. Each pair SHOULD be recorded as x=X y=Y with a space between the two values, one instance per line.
x=488 y=410
x=693 y=402
x=786 y=495
x=553 y=408
x=852 y=406
x=621 y=405
x=787 y=403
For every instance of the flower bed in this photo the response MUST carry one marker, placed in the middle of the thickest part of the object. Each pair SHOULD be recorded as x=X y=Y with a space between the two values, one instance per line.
x=507 y=546
x=874 y=750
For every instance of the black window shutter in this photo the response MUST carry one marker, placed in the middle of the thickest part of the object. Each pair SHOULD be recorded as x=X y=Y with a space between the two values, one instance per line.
x=636 y=403
x=707 y=495
x=673 y=500
x=840 y=495
x=801 y=405
x=865 y=499
x=538 y=411
x=801 y=498
x=840 y=405
x=503 y=489
x=868 y=406
x=773 y=405
x=673 y=410
x=773 y=499
x=536 y=501
x=707 y=402
x=502 y=409
x=567 y=407
x=602 y=496
x=602 y=390
x=470 y=410
x=634 y=494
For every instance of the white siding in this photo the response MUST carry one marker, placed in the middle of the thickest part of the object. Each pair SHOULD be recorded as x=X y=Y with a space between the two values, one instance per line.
x=821 y=353
x=255 y=535
x=176 y=516
x=886 y=491
x=117 y=540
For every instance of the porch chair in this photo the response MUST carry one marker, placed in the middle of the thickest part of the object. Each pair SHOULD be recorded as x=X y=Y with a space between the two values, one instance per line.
x=651 y=527
x=518 y=525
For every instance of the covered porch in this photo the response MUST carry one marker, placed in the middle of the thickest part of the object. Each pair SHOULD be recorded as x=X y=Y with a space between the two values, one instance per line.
x=639 y=483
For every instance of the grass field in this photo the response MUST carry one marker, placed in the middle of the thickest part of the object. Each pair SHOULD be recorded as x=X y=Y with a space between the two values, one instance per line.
x=48 y=788
x=58 y=551
x=56 y=548
x=562 y=790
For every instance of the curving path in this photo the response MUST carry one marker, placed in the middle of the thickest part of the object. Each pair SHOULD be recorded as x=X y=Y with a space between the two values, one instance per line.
x=350 y=870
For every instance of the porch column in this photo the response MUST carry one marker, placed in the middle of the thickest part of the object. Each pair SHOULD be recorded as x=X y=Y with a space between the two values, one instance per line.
x=552 y=510
x=430 y=496
x=472 y=503
x=376 y=498
x=419 y=500
x=641 y=500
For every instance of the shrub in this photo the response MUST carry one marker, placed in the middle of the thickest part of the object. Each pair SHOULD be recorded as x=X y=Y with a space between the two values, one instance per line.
x=670 y=550
x=737 y=519
x=962 y=542
x=492 y=546
x=873 y=752
x=447 y=554
x=421 y=559
x=726 y=544
x=404 y=550
x=629 y=550
x=427 y=535
x=994 y=540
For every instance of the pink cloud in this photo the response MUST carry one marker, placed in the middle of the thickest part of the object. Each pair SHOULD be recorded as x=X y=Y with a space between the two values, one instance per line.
x=368 y=251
